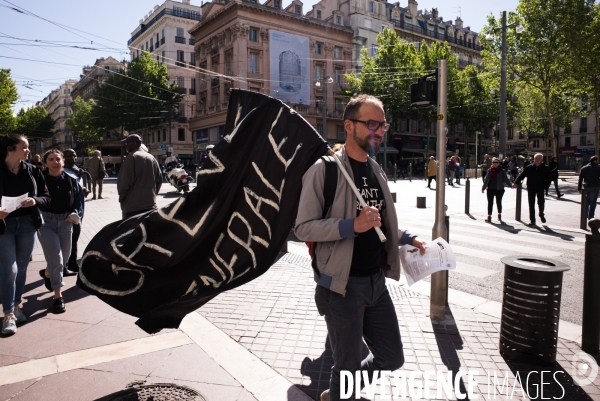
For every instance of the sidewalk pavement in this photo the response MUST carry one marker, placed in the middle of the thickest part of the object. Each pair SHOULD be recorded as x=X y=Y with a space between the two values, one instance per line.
x=261 y=341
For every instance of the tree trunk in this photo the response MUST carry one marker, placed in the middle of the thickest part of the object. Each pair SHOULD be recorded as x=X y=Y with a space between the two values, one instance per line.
x=550 y=123
x=596 y=90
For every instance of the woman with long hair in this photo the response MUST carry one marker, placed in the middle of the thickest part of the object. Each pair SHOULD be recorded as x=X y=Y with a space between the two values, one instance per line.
x=494 y=183
x=64 y=210
x=18 y=227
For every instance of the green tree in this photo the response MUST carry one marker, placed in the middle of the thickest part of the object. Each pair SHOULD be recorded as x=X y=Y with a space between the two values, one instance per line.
x=8 y=97
x=136 y=99
x=35 y=122
x=542 y=56
x=81 y=121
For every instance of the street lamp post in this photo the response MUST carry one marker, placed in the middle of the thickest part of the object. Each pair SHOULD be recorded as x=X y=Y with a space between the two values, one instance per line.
x=502 y=134
x=326 y=80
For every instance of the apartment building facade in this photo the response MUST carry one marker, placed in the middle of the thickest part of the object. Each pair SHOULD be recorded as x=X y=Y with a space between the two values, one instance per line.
x=58 y=106
x=275 y=51
x=96 y=74
x=164 y=33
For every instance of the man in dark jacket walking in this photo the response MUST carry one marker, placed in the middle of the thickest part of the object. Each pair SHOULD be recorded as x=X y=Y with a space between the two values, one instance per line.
x=590 y=173
x=538 y=180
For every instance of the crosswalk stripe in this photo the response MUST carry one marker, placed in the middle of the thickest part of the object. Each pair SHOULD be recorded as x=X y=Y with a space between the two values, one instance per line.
x=524 y=228
x=461 y=250
x=500 y=235
x=474 y=271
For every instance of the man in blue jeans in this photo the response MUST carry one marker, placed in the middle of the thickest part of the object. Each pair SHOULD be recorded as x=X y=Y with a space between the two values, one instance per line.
x=590 y=173
x=351 y=262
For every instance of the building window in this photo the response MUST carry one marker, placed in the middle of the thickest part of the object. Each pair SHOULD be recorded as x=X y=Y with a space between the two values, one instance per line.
x=253 y=67
x=583 y=125
x=340 y=133
x=568 y=141
x=407 y=125
x=276 y=3
x=568 y=130
x=318 y=14
x=163 y=33
x=337 y=76
x=163 y=57
x=180 y=55
x=371 y=7
x=193 y=84
x=521 y=135
x=318 y=48
x=180 y=32
x=152 y=136
x=338 y=105
x=192 y=58
x=337 y=52
x=536 y=143
x=582 y=140
x=298 y=9
x=181 y=134
x=253 y=35
x=157 y=40
x=338 y=20
x=319 y=71
x=511 y=133
x=164 y=135
x=320 y=129
x=181 y=82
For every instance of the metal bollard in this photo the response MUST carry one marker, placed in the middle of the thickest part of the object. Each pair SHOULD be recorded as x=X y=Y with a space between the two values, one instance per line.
x=590 y=328
x=395 y=171
x=518 y=208
x=584 y=208
x=467 y=195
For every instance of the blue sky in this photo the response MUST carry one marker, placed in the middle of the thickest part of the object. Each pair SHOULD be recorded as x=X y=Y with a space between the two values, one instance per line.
x=106 y=26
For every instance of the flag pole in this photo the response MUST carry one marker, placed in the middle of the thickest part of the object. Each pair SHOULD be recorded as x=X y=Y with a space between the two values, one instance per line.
x=330 y=152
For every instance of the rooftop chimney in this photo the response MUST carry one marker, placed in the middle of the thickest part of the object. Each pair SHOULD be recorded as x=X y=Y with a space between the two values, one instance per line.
x=434 y=12
x=458 y=22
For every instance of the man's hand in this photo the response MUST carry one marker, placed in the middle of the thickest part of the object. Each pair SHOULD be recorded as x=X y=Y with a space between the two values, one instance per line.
x=367 y=219
x=29 y=202
x=417 y=243
x=3 y=214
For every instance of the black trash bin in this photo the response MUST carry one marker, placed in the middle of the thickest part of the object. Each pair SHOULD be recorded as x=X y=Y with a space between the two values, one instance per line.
x=531 y=308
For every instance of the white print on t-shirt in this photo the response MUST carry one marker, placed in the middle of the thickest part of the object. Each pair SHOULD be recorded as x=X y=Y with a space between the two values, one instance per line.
x=370 y=195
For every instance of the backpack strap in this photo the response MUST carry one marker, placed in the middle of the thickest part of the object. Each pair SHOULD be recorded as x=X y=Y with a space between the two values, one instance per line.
x=329 y=188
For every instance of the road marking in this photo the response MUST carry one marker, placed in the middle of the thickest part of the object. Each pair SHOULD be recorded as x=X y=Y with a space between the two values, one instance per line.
x=523 y=228
x=500 y=235
x=474 y=271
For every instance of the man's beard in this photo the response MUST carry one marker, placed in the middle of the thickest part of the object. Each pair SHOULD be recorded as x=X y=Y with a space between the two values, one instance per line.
x=364 y=144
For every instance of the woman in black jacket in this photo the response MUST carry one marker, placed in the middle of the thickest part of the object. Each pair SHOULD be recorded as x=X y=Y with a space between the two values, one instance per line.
x=18 y=224
x=494 y=183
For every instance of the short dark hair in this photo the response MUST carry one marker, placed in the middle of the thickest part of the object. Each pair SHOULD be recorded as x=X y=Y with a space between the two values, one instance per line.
x=352 y=109
x=9 y=142
x=594 y=159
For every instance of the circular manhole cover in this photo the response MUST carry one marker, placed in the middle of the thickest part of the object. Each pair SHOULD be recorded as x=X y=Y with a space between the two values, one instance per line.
x=157 y=392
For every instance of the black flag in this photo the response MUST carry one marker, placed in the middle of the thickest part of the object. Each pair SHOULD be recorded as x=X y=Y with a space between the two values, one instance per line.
x=164 y=264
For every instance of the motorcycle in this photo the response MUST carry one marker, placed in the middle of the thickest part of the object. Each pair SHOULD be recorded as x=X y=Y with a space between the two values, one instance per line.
x=178 y=177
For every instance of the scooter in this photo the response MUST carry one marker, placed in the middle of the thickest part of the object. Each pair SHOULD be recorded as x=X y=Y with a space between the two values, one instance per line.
x=178 y=177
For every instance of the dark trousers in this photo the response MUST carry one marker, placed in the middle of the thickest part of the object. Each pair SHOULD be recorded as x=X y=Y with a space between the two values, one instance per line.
x=491 y=193
x=430 y=178
x=75 y=237
x=555 y=187
x=365 y=312
x=531 y=195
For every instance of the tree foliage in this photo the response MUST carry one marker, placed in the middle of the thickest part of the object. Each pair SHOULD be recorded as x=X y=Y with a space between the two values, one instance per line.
x=81 y=121
x=35 y=122
x=541 y=57
x=136 y=99
x=8 y=97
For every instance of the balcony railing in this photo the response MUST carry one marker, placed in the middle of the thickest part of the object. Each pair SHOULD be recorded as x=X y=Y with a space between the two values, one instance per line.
x=214 y=82
x=179 y=39
x=436 y=35
x=151 y=49
x=192 y=91
x=158 y=16
x=180 y=63
x=157 y=44
x=162 y=41
x=583 y=128
x=181 y=90
x=182 y=119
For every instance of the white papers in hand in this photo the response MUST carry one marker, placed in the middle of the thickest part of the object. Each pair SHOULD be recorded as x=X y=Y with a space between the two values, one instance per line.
x=12 y=203
x=438 y=256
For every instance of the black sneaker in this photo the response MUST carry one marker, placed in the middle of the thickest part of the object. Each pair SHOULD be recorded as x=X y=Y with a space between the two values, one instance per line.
x=58 y=305
x=68 y=273
x=561 y=195
x=542 y=218
x=532 y=223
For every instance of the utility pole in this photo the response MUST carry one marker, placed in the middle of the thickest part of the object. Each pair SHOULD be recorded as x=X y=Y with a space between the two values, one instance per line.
x=439 y=280
x=502 y=133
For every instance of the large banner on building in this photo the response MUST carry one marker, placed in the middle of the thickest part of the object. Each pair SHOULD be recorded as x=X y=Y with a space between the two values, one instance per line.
x=290 y=67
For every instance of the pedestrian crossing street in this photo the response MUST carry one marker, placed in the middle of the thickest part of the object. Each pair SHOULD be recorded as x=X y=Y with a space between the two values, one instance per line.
x=475 y=239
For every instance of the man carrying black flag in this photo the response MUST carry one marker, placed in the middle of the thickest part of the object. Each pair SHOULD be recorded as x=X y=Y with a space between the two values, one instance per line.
x=166 y=263
x=351 y=260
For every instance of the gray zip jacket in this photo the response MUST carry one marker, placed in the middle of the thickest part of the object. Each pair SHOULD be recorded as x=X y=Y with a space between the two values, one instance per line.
x=335 y=234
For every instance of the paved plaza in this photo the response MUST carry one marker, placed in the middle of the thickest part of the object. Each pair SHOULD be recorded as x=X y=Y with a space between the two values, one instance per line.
x=266 y=341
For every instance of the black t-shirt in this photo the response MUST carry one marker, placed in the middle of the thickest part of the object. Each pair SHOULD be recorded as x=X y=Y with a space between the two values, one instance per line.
x=366 y=256
x=16 y=185
x=60 y=193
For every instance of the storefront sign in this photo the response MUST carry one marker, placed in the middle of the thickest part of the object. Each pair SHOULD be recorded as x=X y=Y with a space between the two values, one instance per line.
x=586 y=151
x=162 y=147
x=567 y=150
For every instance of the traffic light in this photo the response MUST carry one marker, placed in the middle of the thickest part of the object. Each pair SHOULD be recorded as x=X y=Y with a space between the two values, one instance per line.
x=423 y=93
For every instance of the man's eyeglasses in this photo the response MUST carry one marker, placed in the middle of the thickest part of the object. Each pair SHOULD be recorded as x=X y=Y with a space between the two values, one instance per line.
x=373 y=125
x=495 y=162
